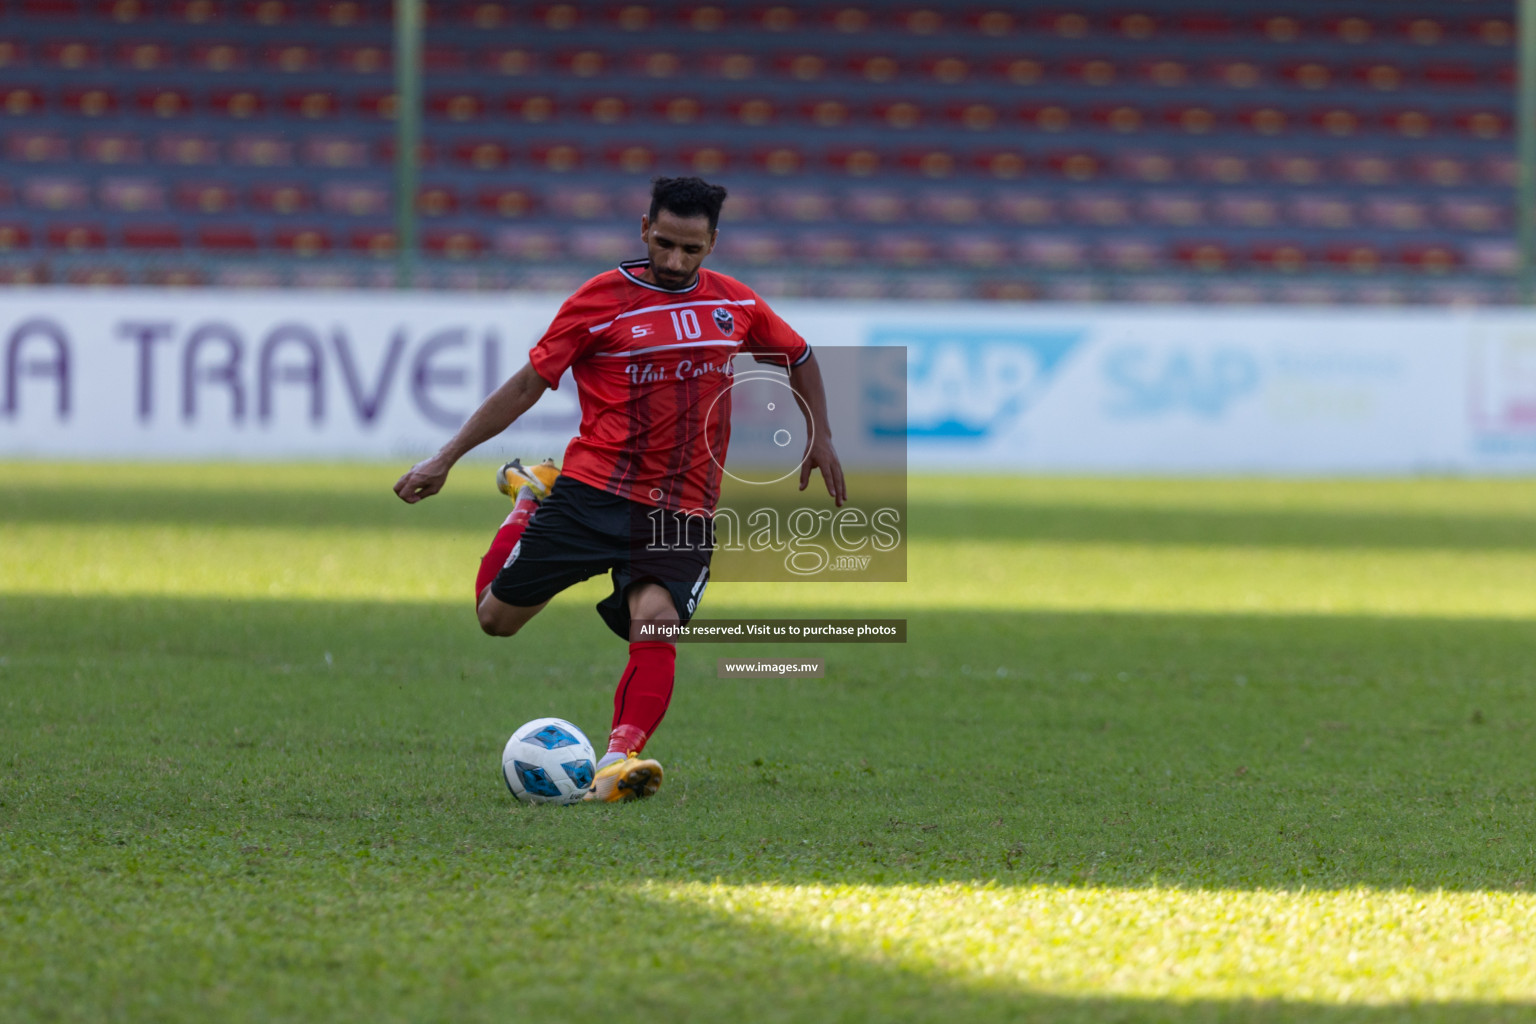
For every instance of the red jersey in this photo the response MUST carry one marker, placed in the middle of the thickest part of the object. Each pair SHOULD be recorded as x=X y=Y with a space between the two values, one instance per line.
x=650 y=364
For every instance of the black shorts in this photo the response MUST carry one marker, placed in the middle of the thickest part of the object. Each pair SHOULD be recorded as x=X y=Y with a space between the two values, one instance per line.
x=580 y=531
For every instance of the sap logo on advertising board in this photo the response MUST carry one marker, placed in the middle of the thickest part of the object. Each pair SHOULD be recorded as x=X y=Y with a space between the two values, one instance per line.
x=1148 y=381
x=972 y=383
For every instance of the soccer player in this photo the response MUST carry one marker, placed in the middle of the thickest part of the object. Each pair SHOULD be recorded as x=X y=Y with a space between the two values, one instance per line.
x=650 y=346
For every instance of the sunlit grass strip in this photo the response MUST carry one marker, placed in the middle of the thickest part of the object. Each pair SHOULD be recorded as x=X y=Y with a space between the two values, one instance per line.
x=381 y=563
x=1356 y=946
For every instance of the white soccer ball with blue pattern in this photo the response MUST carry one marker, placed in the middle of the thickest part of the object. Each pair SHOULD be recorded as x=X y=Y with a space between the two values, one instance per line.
x=548 y=761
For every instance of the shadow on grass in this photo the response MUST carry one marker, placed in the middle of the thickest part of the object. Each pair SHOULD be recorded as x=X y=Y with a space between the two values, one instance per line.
x=466 y=507
x=1187 y=750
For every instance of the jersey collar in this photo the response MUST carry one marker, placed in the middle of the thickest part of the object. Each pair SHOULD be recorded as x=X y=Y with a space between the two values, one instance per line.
x=626 y=267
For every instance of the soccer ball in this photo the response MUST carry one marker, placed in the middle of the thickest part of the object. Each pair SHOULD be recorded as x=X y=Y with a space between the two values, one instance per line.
x=548 y=761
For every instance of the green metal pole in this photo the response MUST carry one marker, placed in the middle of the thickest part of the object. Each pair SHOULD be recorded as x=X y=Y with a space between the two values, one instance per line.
x=407 y=134
x=1526 y=132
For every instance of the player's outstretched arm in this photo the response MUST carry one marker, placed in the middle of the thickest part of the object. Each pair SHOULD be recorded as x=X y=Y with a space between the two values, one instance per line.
x=496 y=413
x=809 y=390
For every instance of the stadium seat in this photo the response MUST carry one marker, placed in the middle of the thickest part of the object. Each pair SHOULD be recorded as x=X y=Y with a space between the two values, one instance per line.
x=1224 y=168
x=603 y=244
x=1132 y=255
x=631 y=158
x=70 y=55
x=122 y=12
x=1136 y=25
x=1246 y=209
x=1100 y=209
x=1025 y=207
x=973 y=116
x=858 y=162
x=205 y=197
x=1265 y=120
x=76 y=237
x=54 y=193
x=807 y=205
x=779 y=160
x=12 y=53
x=1358 y=257
x=237 y=104
x=34 y=147
x=100 y=276
x=605 y=110
x=373 y=241
x=1323 y=212
x=131 y=195
x=312 y=104
x=227 y=238
x=1422 y=31
x=1380 y=76
x=453 y=243
x=935 y=164
x=1167 y=72
x=437 y=201
x=1122 y=119
x=334 y=151
x=705 y=160
x=261 y=150
x=975 y=250
x=14 y=236
x=877 y=68
x=90 y=102
x=530 y=244
x=363 y=60
x=583 y=63
x=142 y=55
x=1019 y=70
x=151 y=236
x=678 y=109
x=1410 y=123
x=219 y=57
x=949 y=207
x=532 y=109
x=305 y=241
x=1397 y=213
x=186 y=149
x=1442 y=170
x=280 y=198
x=656 y=64
x=1295 y=168
x=481 y=154
x=1096 y=72
x=291 y=58
x=343 y=13
x=508 y=201
x=801 y=67
x=267 y=13
x=825 y=248
x=1367 y=168
x=510 y=61
x=355 y=198
x=876 y=205
x=946 y=70
x=1429 y=258
x=1053 y=252
x=1474 y=214
x=1146 y=166
x=19 y=101
x=1483 y=124
x=1076 y=165
x=1045 y=117
x=1494 y=31
x=1192 y=119
x=1002 y=164
x=1311 y=75
x=165 y=103
x=1500 y=169
x=1064 y=24
x=580 y=202
x=1450 y=75
x=1173 y=209
x=1205 y=256
x=1350 y=28
x=903 y=248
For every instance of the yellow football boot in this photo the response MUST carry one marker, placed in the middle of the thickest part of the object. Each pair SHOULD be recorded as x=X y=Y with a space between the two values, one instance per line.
x=629 y=779
x=539 y=479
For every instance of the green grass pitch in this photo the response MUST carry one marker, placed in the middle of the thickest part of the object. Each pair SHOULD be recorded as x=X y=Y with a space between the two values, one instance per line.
x=1174 y=751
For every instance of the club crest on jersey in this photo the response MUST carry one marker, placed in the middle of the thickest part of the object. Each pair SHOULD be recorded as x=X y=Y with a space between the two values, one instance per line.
x=725 y=321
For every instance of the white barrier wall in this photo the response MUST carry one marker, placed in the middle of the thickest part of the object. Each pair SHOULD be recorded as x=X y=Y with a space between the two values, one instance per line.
x=1116 y=389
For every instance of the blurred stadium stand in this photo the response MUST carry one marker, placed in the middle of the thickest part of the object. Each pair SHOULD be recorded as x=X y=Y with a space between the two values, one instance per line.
x=1356 y=151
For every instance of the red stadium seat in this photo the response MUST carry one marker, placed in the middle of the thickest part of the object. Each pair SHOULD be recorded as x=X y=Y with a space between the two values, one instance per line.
x=122 y=12
x=1133 y=255
x=77 y=237
x=1444 y=75
x=806 y=205
x=112 y=148
x=802 y=67
x=1167 y=72
x=1195 y=119
x=848 y=20
x=703 y=17
x=197 y=12
x=1019 y=70
x=302 y=241
x=1099 y=209
x=444 y=60
x=373 y=241
x=165 y=103
x=14 y=236
x=175 y=277
x=482 y=154
x=974 y=250
x=510 y=61
x=71 y=55
x=1206 y=256
x=54 y=193
x=486 y=15
x=1003 y=164
x=903 y=249
x=1122 y=119
x=533 y=245
x=946 y=70
x=1338 y=122
x=632 y=18
x=227 y=238
x=556 y=156
x=602 y=244
x=1410 y=123
x=1474 y=214
x=705 y=160
x=90 y=102
x=343 y=13
x=1431 y=258
x=380 y=105
x=534 y=109
x=1308 y=74
x=1246 y=210
x=656 y=63
x=583 y=63
x=261 y=151
x=1358 y=257
x=363 y=60
x=776 y=18
x=291 y=58
x=458 y=106
x=267 y=13
x=281 y=198
x=1046 y=117
x=1064 y=24
x=437 y=201
x=1380 y=75
x=1442 y=170
x=678 y=109
x=1266 y=120
x=36 y=147
x=151 y=236
x=205 y=197
x=753 y=246
x=312 y=104
x=1495 y=31
x=355 y=198
x=935 y=163
x=1422 y=31
x=1500 y=169
x=1135 y=25
x=1483 y=124
x=1295 y=168
x=607 y=109
x=901 y=114
x=12 y=53
x=631 y=158
x=186 y=149
x=131 y=195
x=454 y=243
x=1350 y=28
x=558 y=17
x=62 y=9
x=975 y=116
x=509 y=201
x=97 y=277
x=219 y=57
x=1237 y=74
x=19 y=101
x=829 y=248
x=238 y=104
x=779 y=160
x=142 y=56
x=878 y=68
x=1093 y=71
x=875 y=205
x=856 y=161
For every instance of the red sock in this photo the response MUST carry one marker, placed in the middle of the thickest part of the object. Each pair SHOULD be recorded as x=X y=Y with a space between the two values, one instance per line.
x=501 y=547
x=644 y=692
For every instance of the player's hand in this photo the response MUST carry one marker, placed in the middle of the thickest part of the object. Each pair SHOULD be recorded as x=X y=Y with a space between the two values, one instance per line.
x=823 y=456
x=422 y=480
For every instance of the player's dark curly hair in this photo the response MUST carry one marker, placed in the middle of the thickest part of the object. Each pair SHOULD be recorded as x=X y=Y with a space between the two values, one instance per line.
x=687 y=197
